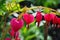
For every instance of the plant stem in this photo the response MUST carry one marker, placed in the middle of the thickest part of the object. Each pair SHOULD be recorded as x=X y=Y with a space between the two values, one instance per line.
x=3 y=30
x=38 y=24
x=4 y=33
x=46 y=31
x=28 y=26
x=1 y=20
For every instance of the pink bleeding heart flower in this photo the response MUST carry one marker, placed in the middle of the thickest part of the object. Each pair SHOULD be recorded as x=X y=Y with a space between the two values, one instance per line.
x=48 y=17
x=12 y=33
x=29 y=18
x=7 y=38
x=16 y=24
x=38 y=16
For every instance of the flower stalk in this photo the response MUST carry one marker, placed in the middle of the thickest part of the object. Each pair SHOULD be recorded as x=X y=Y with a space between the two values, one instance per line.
x=46 y=31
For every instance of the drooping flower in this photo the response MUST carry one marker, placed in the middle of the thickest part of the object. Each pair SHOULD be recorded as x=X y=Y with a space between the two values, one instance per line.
x=38 y=17
x=48 y=17
x=16 y=24
x=29 y=18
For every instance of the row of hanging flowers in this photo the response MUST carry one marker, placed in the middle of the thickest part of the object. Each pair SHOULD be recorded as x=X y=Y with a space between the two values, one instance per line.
x=17 y=24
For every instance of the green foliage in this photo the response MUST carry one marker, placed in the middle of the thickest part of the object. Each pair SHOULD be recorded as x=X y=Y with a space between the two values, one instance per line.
x=33 y=33
x=46 y=3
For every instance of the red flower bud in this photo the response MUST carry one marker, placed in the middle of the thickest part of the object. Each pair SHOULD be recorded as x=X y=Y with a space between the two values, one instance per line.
x=16 y=24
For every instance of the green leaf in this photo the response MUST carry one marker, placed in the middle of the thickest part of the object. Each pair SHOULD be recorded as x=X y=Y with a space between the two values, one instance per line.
x=46 y=10
x=1 y=12
x=30 y=37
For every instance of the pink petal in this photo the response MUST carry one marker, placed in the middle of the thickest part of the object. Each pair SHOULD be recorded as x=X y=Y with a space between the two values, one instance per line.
x=7 y=38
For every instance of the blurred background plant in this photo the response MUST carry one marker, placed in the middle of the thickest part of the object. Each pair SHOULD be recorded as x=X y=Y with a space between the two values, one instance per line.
x=12 y=8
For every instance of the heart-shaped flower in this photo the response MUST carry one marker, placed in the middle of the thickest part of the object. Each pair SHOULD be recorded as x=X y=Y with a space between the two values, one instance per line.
x=16 y=24
x=29 y=18
x=48 y=17
x=38 y=16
